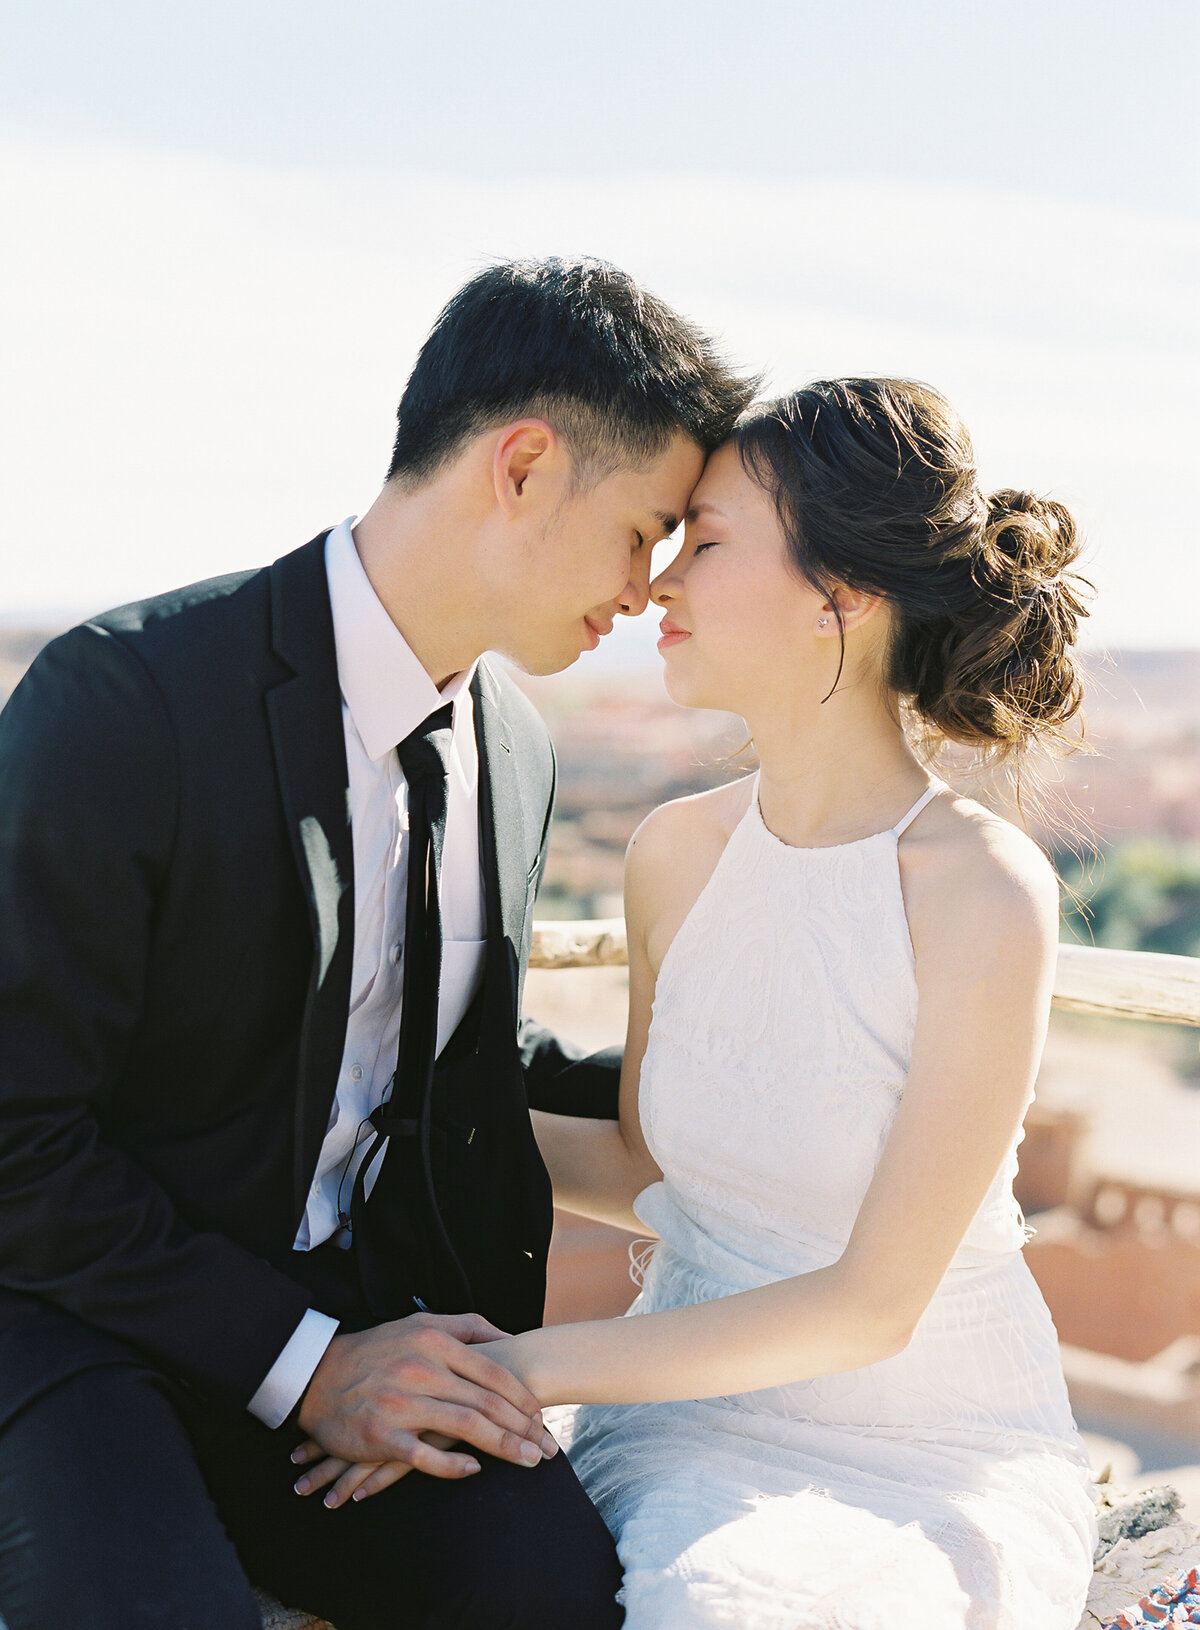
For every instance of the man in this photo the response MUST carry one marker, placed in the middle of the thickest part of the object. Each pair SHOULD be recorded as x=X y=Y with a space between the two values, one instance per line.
x=266 y=844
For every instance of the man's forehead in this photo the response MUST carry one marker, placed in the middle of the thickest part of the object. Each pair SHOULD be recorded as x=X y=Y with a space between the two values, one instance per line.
x=664 y=489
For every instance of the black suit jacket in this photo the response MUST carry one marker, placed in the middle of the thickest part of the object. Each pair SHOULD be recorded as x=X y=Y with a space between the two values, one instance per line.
x=176 y=934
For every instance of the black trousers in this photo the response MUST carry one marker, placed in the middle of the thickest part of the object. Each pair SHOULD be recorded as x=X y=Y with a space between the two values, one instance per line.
x=129 y=1503
x=125 y=1505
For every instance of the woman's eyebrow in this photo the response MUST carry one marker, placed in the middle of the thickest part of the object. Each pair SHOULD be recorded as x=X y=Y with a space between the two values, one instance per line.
x=703 y=508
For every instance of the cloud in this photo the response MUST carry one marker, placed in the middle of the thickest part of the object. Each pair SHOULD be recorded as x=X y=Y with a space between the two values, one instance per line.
x=205 y=357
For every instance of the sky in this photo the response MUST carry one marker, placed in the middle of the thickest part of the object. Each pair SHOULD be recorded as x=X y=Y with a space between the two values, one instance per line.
x=229 y=228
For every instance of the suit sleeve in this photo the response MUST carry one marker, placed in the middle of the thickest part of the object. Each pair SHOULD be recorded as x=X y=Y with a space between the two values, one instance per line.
x=88 y=793
x=561 y=1076
x=566 y=1079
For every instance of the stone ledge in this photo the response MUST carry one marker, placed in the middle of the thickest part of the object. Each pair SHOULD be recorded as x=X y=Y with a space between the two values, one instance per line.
x=1130 y=1571
x=277 y=1617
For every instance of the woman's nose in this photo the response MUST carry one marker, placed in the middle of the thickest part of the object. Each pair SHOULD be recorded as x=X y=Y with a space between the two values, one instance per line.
x=668 y=585
x=664 y=587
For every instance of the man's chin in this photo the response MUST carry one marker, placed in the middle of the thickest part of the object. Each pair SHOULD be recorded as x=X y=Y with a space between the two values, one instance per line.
x=554 y=665
x=540 y=664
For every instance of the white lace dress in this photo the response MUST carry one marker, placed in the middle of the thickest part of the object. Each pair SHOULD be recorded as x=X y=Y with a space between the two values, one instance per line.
x=945 y=1488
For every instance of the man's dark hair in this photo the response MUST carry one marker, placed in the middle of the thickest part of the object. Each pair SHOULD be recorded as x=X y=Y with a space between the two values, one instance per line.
x=574 y=342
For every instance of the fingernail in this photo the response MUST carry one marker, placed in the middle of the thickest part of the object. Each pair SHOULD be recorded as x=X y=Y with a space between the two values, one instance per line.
x=358 y=1495
x=530 y=1453
x=549 y=1446
x=331 y=1499
x=302 y=1485
x=298 y=1457
x=472 y=1466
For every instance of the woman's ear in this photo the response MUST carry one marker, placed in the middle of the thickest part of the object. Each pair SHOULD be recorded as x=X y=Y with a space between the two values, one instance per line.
x=855 y=607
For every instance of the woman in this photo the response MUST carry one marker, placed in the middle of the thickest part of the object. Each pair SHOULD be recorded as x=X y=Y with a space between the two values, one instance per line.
x=840 y=978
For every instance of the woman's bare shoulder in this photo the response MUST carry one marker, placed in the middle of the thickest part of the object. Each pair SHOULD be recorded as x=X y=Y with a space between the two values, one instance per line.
x=705 y=818
x=672 y=855
x=963 y=862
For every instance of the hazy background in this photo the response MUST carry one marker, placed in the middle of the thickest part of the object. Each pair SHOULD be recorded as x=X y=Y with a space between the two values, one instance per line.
x=228 y=228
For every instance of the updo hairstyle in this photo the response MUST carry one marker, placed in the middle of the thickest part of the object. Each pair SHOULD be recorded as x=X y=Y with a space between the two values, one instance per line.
x=874 y=482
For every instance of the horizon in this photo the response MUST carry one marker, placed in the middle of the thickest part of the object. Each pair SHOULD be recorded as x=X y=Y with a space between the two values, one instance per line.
x=627 y=650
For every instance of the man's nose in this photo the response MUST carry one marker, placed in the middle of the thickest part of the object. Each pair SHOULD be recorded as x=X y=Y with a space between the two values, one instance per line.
x=635 y=596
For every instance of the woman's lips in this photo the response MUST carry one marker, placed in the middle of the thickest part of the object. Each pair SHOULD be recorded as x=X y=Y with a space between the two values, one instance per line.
x=671 y=634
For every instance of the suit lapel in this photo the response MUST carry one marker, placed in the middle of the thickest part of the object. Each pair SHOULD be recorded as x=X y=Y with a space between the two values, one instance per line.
x=310 y=760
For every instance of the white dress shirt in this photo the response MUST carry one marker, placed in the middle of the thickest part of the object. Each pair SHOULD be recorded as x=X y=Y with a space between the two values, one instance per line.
x=386 y=694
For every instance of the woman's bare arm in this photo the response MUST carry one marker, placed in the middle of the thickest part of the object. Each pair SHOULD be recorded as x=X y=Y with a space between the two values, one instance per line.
x=598 y=1168
x=984 y=926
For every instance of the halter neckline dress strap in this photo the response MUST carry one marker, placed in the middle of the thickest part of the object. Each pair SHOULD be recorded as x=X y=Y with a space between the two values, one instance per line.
x=931 y=792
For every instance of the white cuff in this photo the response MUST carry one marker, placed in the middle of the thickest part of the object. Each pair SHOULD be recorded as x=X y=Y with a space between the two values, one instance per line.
x=284 y=1383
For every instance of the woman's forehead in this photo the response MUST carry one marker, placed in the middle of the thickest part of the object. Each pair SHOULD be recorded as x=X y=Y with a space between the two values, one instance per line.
x=725 y=490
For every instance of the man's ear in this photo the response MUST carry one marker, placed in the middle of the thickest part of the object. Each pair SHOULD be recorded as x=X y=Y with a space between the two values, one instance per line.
x=522 y=449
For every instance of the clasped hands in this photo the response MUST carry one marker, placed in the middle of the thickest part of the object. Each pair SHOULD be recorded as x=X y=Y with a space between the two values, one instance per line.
x=397 y=1398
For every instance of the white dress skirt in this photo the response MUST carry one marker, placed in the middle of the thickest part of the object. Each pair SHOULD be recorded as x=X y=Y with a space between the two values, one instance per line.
x=945 y=1488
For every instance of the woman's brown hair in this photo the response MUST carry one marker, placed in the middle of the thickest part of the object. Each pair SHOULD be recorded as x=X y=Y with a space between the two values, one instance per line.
x=874 y=481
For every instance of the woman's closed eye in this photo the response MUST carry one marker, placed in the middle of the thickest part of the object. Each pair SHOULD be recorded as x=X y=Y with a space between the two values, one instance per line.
x=699 y=548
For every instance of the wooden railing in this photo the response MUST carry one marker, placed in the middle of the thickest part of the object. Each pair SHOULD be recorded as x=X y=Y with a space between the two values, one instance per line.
x=1119 y=984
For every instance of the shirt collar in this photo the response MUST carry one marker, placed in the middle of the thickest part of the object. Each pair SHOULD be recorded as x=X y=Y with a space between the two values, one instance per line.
x=383 y=684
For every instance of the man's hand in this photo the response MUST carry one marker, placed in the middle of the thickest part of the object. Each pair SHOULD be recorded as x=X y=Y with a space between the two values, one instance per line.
x=375 y=1394
x=355 y=1482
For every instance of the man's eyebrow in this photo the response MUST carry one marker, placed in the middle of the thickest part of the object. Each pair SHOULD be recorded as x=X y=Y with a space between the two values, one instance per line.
x=666 y=520
x=703 y=507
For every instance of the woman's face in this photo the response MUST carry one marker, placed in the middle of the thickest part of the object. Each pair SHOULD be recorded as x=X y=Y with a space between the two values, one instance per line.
x=741 y=626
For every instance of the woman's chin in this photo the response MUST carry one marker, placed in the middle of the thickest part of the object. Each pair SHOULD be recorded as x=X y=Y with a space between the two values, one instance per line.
x=689 y=691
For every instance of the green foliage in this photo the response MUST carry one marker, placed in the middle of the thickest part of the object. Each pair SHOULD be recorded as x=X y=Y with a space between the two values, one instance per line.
x=1140 y=896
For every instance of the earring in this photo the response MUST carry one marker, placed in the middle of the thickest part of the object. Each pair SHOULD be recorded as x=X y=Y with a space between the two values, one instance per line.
x=822 y=622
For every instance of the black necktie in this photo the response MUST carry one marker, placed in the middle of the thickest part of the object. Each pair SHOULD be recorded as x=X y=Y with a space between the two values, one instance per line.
x=391 y=1230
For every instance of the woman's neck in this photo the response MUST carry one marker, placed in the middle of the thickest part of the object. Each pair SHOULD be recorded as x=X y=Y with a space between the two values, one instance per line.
x=836 y=771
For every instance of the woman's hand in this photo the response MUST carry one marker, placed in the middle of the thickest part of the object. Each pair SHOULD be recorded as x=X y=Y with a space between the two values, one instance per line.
x=358 y=1480
x=379 y=1395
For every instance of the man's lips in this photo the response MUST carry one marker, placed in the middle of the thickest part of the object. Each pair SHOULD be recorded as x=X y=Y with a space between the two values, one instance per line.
x=597 y=631
x=671 y=634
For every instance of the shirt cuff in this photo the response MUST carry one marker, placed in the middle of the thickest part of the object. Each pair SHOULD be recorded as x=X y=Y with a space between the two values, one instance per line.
x=284 y=1384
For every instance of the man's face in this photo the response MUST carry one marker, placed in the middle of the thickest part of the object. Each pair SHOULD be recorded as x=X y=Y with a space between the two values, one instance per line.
x=590 y=561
